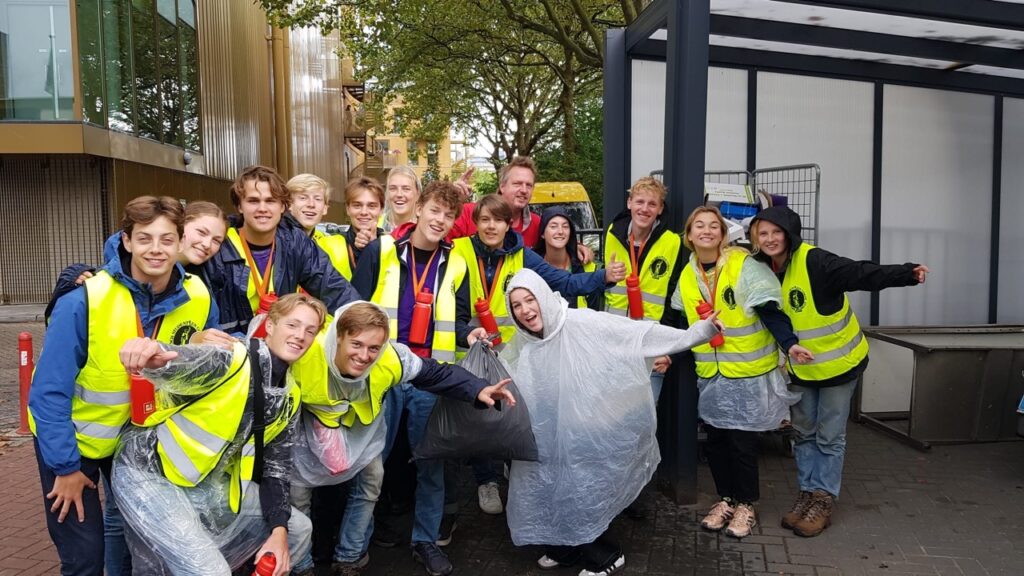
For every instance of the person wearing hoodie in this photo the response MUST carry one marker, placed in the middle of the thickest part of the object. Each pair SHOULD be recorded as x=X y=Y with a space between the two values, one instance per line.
x=655 y=257
x=584 y=375
x=268 y=254
x=742 y=391
x=344 y=378
x=420 y=273
x=558 y=247
x=203 y=481
x=364 y=202
x=78 y=403
x=814 y=286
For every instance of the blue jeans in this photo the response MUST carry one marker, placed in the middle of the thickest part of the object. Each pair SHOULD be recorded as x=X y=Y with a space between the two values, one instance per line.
x=79 y=544
x=116 y=558
x=357 y=523
x=657 y=379
x=429 y=473
x=820 y=422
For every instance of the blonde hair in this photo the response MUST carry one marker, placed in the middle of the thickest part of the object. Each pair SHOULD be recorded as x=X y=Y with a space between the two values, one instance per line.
x=287 y=304
x=689 y=225
x=650 y=184
x=307 y=183
x=408 y=172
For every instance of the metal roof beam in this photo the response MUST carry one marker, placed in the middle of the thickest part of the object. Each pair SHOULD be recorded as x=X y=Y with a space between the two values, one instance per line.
x=975 y=12
x=865 y=41
x=652 y=19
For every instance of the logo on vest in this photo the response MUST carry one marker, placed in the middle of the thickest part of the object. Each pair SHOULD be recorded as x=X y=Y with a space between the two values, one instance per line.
x=797 y=299
x=504 y=286
x=659 y=267
x=182 y=333
x=729 y=295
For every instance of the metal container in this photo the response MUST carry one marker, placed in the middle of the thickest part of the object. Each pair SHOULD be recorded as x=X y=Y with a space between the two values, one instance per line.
x=944 y=385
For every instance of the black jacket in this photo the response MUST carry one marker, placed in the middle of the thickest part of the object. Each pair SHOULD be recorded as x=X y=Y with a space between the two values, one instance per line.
x=832 y=276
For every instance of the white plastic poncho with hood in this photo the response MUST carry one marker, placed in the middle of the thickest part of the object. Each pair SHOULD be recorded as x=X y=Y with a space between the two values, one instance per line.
x=587 y=382
x=362 y=443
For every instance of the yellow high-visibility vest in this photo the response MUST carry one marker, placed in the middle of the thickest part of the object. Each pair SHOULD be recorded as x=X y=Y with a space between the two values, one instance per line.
x=336 y=247
x=655 y=275
x=513 y=263
x=749 y=349
x=101 y=404
x=835 y=340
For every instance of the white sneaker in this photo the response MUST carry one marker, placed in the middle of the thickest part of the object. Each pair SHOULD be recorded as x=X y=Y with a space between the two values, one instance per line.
x=613 y=568
x=547 y=563
x=490 y=499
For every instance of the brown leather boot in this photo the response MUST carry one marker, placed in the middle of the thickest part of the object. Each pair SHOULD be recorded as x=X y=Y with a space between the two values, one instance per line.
x=799 y=507
x=817 y=517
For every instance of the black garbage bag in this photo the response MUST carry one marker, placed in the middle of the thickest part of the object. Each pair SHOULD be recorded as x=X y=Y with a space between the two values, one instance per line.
x=459 y=430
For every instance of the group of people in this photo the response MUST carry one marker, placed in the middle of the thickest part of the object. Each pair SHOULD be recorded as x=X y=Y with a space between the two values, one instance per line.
x=250 y=409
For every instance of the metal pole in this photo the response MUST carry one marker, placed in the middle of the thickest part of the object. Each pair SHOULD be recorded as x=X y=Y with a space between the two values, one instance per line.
x=686 y=101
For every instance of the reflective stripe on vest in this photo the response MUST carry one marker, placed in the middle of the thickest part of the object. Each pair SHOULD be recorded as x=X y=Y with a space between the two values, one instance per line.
x=250 y=290
x=655 y=274
x=336 y=247
x=386 y=295
x=749 y=349
x=835 y=340
x=100 y=406
x=311 y=373
x=513 y=263
x=192 y=436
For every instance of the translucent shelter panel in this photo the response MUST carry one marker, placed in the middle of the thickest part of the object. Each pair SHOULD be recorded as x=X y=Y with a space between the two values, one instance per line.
x=1011 y=212
x=824 y=121
x=726 y=119
x=937 y=203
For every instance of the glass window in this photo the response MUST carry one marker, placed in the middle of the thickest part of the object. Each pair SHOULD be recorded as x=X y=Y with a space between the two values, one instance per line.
x=117 y=65
x=90 y=56
x=167 y=49
x=147 y=69
x=35 y=60
x=189 y=75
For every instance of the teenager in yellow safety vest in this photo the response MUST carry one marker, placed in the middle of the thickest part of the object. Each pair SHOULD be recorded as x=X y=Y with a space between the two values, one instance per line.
x=268 y=254
x=341 y=436
x=494 y=254
x=653 y=255
x=79 y=400
x=814 y=286
x=203 y=482
x=742 y=392
x=558 y=246
x=364 y=204
x=417 y=279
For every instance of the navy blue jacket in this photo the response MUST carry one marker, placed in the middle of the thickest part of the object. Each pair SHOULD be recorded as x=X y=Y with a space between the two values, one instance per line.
x=66 y=350
x=298 y=261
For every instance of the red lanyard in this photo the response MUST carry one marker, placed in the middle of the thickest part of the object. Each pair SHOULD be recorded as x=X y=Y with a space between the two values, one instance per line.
x=494 y=281
x=417 y=283
x=712 y=288
x=142 y=333
x=634 y=257
x=351 y=257
x=262 y=281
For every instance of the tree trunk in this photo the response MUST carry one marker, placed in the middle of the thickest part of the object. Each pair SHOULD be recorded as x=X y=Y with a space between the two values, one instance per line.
x=567 y=102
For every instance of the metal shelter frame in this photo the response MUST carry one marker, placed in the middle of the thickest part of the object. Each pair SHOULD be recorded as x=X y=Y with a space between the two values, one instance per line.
x=688 y=53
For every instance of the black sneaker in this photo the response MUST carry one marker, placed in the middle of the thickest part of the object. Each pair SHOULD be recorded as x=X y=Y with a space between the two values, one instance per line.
x=434 y=561
x=385 y=536
x=348 y=568
x=448 y=525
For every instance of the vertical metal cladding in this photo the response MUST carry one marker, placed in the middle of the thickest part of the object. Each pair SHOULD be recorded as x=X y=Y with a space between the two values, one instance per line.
x=237 y=112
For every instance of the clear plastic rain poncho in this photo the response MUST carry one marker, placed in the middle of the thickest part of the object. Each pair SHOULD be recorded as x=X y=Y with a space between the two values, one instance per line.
x=177 y=530
x=756 y=404
x=587 y=383
x=325 y=456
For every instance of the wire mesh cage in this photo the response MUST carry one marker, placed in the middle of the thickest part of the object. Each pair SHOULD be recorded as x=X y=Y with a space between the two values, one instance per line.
x=717 y=176
x=800 y=185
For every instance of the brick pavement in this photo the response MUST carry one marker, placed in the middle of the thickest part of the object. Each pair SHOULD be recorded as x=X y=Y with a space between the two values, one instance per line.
x=953 y=511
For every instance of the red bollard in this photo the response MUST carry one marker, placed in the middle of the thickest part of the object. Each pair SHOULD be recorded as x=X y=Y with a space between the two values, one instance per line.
x=25 y=367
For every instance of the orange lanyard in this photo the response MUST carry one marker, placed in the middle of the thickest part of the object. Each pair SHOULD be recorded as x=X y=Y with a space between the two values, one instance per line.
x=142 y=333
x=634 y=257
x=351 y=256
x=262 y=281
x=417 y=283
x=712 y=288
x=494 y=281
